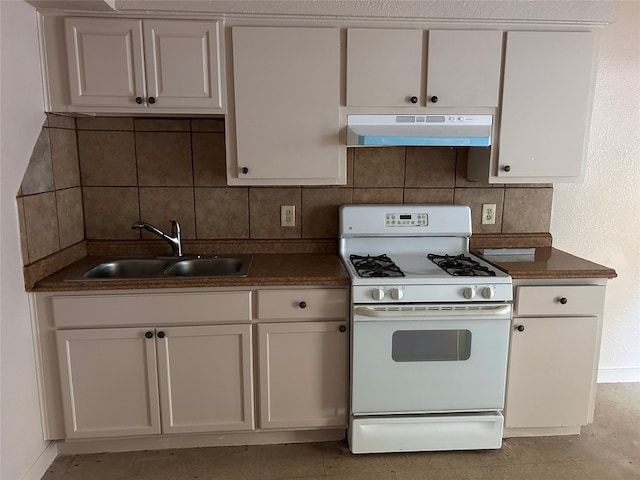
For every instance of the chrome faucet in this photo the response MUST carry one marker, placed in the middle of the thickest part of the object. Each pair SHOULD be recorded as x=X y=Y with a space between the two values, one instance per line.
x=174 y=240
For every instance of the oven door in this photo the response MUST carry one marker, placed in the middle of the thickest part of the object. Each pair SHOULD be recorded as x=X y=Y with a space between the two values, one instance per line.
x=429 y=358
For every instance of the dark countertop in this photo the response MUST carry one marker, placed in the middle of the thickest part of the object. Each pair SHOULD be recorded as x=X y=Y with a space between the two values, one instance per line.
x=296 y=269
x=549 y=262
x=318 y=268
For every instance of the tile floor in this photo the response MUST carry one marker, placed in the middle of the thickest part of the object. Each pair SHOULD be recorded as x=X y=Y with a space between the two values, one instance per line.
x=609 y=449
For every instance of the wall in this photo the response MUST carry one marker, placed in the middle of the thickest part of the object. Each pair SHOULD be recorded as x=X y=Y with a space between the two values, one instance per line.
x=600 y=218
x=156 y=170
x=20 y=122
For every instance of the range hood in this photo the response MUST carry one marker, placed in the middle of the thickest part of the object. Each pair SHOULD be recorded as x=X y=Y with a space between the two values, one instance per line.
x=419 y=130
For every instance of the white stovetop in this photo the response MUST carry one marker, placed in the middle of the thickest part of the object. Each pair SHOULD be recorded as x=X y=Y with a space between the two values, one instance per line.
x=418 y=269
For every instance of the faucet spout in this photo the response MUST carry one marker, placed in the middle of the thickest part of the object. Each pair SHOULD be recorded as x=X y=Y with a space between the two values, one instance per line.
x=174 y=240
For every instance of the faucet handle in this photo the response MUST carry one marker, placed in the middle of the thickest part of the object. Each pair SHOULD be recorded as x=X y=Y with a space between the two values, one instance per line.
x=175 y=228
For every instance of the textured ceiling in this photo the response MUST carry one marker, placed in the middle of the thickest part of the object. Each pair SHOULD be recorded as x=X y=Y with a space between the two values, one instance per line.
x=590 y=11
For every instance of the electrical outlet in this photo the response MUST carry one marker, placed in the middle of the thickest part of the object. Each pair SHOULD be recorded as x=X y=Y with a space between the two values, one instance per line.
x=488 y=213
x=287 y=215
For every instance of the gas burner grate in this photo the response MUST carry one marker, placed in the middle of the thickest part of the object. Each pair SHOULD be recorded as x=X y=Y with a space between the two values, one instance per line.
x=461 y=265
x=375 y=266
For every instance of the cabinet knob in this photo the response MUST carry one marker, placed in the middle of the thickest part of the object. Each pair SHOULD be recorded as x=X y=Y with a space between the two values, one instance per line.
x=563 y=300
x=148 y=334
x=342 y=328
x=244 y=170
x=160 y=334
x=139 y=100
x=152 y=99
x=434 y=99
x=520 y=328
x=507 y=168
x=302 y=304
x=414 y=99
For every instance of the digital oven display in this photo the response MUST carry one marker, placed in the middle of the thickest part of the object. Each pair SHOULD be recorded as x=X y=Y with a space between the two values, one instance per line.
x=406 y=220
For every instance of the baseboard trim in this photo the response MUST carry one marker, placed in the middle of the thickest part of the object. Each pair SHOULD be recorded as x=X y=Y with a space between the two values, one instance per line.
x=619 y=375
x=540 y=431
x=160 y=442
x=46 y=458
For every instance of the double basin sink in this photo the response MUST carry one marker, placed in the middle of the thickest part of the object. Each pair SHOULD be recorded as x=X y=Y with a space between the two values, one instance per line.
x=128 y=268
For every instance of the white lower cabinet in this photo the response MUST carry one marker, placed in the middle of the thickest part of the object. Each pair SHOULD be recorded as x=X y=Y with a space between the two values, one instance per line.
x=302 y=375
x=553 y=358
x=550 y=371
x=180 y=363
x=303 y=357
x=205 y=377
x=109 y=382
x=137 y=381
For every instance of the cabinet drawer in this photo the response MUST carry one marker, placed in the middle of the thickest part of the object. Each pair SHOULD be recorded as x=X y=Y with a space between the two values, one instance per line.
x=303 y=303
x=84 y=311
x=560 y=300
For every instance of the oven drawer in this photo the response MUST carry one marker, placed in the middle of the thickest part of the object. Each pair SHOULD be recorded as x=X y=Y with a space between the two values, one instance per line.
x=303 y=303
x=559 y=300
x=469 y=431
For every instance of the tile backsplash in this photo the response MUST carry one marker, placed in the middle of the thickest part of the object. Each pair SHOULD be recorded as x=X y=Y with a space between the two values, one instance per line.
x=93 y=177
x=50 y=197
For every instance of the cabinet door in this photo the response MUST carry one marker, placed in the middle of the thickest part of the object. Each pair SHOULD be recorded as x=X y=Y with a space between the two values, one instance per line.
x=183 y=64
x=464 y=68
x=546 y=104
x=287 y=98
x=303 y=374
x=105 y=61
x=550 y=371
x=205 y=378
x=384 y=67
x=109 y=382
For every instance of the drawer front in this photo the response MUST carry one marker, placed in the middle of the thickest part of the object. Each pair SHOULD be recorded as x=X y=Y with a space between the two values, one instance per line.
x=86 y=311
x=559 y=300
x=300 y=304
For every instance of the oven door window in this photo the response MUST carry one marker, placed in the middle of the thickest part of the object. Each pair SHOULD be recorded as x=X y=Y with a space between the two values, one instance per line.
x=430 y=345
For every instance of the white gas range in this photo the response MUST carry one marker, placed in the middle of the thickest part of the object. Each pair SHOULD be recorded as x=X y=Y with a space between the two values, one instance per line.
x=430 y=330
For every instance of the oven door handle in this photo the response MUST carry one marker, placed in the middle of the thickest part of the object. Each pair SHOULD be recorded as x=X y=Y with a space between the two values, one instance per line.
x=396 y=313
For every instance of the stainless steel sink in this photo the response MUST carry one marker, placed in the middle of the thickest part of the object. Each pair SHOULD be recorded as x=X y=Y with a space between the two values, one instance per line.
x=237 y=266
x=126 y=268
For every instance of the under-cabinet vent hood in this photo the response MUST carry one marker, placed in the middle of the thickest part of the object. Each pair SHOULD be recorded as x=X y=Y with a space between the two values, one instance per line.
x=420 y=130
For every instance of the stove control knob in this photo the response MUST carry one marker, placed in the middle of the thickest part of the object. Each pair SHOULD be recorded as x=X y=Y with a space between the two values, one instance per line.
x=488 y=292
x=397 y=293
x=469 y=292
x=377 y=293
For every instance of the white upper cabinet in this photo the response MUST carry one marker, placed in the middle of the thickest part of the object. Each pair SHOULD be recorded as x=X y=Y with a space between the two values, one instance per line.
x=137 y=65
x=464 y=68
x=389 y=68
x=105 y=61
x=183 y=64
x=384 y=67
x=546 y=106
x=284 y=126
